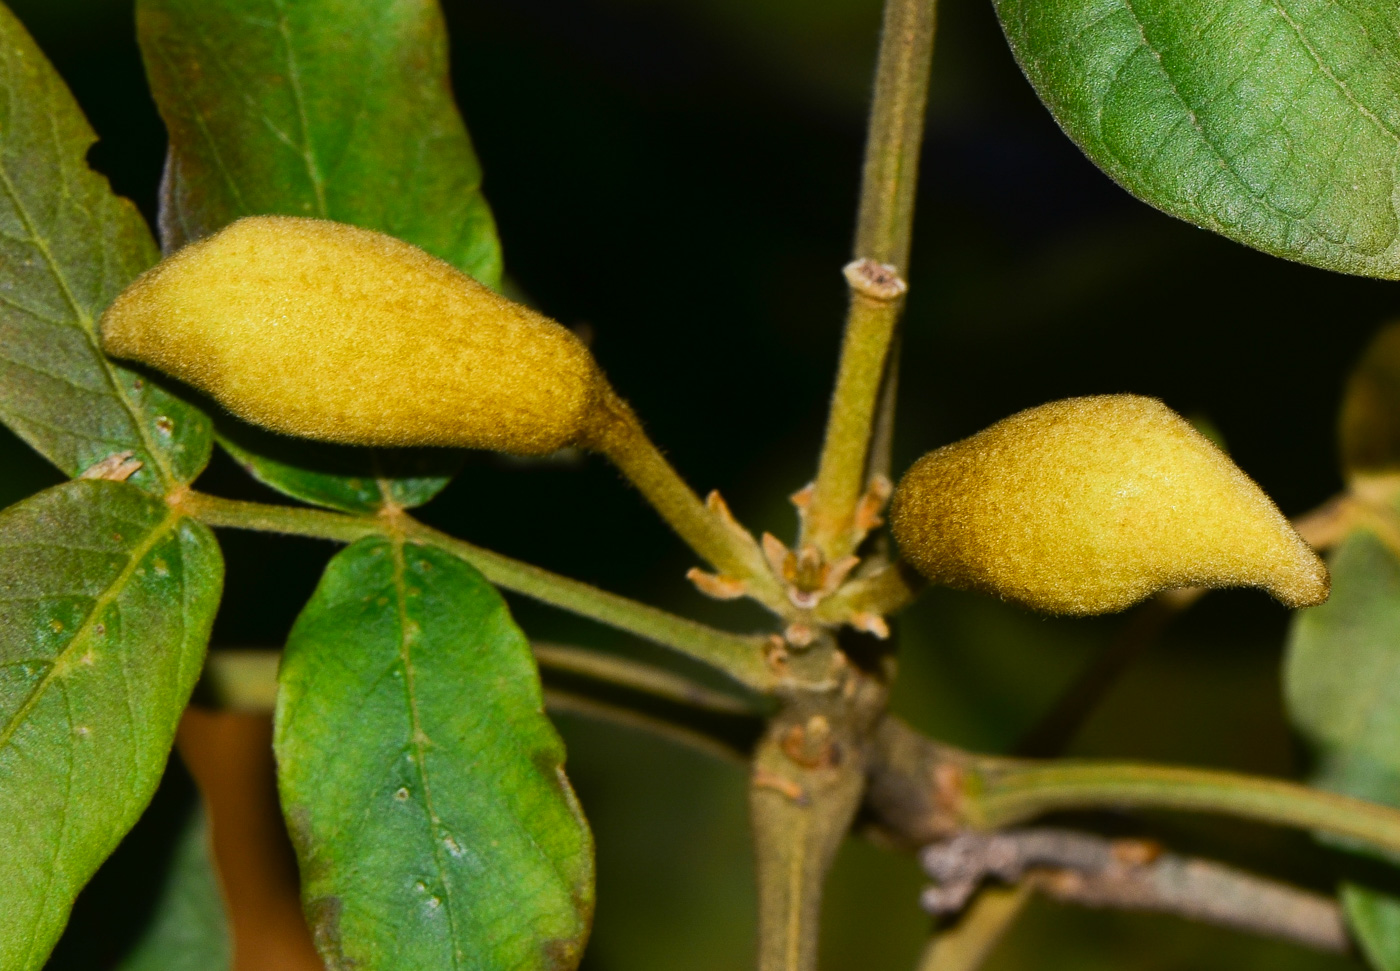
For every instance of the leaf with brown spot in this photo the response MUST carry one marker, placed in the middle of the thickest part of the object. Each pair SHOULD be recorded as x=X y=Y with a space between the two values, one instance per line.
x=422 y=782
x=106 y=601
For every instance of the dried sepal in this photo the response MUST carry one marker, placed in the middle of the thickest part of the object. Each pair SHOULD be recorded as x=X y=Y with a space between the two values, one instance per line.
x=327 y=331
x=872 y=504
x=1088 y=505
x=717 y=586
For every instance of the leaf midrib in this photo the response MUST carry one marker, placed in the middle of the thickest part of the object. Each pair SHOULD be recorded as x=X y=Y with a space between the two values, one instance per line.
x=308 y=150
x=84 y=320
x=80 y=637
x=417 y=739
x=1224 y=159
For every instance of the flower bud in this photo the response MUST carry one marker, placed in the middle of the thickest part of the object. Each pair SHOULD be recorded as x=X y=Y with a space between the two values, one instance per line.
x=1088 y=505
x=327 y=331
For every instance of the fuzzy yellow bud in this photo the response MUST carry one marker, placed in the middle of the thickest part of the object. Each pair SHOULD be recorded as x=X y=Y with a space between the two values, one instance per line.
x=1088 y=505
x=326 y=331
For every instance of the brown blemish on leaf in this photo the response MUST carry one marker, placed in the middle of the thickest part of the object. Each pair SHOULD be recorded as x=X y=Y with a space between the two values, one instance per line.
x=323 y=914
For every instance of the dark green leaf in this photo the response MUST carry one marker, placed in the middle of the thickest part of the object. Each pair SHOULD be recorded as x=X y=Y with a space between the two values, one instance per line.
x=339 y=109
x=270 y=110
x=1273 y=122
x=67 y=247
x=189 y=931
x=1370 y=421
x=422 y=783
x=106 y=600
x=354 y=480
x=1342 y=677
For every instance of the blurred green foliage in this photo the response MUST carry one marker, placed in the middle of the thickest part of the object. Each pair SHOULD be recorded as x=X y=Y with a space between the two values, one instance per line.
x=682 y=175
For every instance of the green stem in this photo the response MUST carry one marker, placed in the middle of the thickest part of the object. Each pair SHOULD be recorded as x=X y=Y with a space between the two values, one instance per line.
x=640 y=677
x=800 y=815
x=737 y=655
x=722 y=543
x=997 y=794
x=288 y=520
x=883 y=230
x=566 y=703
x=967 y=944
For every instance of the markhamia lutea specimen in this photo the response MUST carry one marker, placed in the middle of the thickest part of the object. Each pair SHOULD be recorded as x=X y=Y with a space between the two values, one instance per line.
x=1088 y=505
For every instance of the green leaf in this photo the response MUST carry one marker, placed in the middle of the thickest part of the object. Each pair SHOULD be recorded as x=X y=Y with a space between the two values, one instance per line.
x=68 y=245
x=271 y=111
x=340 y=109
x=189 y=931
x=1273 y=122
x=1342 y=681
x=353 y=480
x=106 y=600
x=422 y=783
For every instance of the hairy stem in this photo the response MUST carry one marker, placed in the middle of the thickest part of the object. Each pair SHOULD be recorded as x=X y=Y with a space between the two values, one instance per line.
x=1007 y=793
x=737 y=655
x=921 y=791
x=723 y=544
x=883 y=229
x=800 y=815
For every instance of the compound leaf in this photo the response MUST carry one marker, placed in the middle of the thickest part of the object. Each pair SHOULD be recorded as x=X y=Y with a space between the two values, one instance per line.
x=1342 y=678
x=422 y=782
x=1273 y=122
x=106 y=601
x=271 y=111
x=68 y=245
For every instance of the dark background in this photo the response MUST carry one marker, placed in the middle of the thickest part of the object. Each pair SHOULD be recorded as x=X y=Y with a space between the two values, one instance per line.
x=681 y=175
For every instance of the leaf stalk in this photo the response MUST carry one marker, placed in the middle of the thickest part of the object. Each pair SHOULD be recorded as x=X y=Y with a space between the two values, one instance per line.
x=720 y=541
x=740 y=656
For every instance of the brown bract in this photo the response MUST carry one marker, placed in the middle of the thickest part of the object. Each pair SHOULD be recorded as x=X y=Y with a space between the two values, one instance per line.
x=1088 y=505
x=327 y=331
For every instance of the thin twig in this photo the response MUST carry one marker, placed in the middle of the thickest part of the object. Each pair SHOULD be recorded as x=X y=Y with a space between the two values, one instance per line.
x=1095 y=871
x=641 y=677
x=564 y=702
x=245 y=679
x=998 y=793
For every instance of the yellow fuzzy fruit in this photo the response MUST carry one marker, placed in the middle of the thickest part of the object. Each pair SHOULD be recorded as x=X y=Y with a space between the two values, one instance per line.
x=326 y=331
x=1088 y=505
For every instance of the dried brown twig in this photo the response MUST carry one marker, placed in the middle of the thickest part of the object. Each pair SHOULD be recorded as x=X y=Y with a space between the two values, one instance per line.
x=1096 y=871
